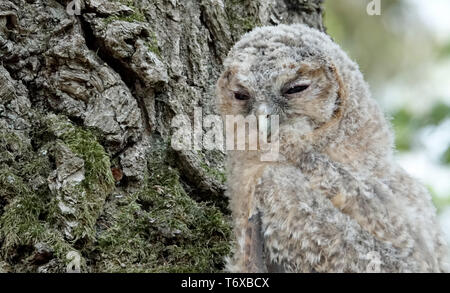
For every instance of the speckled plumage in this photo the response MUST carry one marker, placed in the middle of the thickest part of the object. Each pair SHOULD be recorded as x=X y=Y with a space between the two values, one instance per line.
x=336 y=197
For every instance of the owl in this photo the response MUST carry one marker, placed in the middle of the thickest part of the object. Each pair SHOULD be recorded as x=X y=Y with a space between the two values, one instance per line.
x=334 y=200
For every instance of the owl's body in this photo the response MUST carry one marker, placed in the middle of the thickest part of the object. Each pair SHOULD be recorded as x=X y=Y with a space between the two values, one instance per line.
x=335 y=201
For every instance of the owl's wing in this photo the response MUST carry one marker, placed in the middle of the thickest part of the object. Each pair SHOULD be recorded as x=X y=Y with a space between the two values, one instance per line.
x=255 y=258
x=253 y=251
x=305 y=232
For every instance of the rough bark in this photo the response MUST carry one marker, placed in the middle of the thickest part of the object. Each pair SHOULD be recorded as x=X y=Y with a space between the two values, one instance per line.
x=86 y=103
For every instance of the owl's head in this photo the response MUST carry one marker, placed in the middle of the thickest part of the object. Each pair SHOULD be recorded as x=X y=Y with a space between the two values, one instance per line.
x=284 y=71
x=318 y=93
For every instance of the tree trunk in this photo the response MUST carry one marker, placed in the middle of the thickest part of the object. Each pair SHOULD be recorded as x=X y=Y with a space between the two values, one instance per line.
x=88 y=180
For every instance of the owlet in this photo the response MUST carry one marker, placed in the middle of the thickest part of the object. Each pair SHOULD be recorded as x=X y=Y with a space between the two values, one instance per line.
x=334 y=200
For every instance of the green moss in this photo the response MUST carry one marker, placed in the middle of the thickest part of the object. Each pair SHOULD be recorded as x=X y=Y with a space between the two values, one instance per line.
x=11 y=184
x=12 y=147
x=129 y=3
x=96 y=162
x=30 y=214
x=50 y=127
x=213 y=172
x=23 y=222
x=37 y=166
x=20 y=206
x=158 y=228
x=19 y=163
x=248 y=23
x=19 y=223
x=98 y=180
x=219 y=175
x=161 y=229
x=17 y=153
x=137 y=15
x=240 y=16
x=152 y=44
x=28 y=210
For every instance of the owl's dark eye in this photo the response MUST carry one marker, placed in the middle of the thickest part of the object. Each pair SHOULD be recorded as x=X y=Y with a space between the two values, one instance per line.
x=296 y=89
x=241 y=96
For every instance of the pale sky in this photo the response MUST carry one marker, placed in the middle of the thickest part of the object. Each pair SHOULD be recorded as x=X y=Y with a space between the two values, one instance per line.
x=435 y=14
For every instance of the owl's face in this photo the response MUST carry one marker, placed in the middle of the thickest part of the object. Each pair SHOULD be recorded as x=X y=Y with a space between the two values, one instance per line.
x=302 y=91
x=316 y=90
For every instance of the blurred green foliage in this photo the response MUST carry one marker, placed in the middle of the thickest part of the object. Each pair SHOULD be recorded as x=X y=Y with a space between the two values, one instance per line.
x=378 y=43
x=406 y=125
x=446 y=156
x=386 y=47
x=444 y=52
x=439 y=202
x=391 y=47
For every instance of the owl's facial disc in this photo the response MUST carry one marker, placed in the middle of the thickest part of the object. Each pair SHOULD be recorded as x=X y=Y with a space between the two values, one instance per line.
x=294 y=90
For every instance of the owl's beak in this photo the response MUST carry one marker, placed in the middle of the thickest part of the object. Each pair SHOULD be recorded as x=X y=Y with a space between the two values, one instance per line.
x=263 y=112
x=263 y=109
